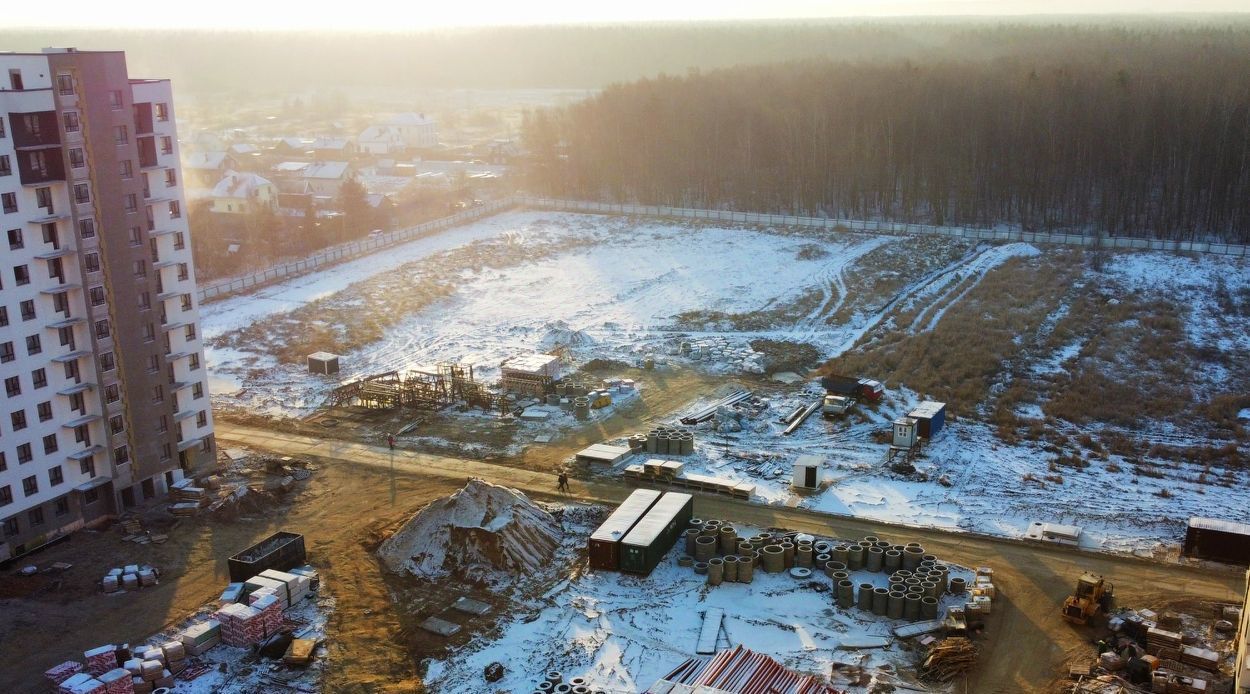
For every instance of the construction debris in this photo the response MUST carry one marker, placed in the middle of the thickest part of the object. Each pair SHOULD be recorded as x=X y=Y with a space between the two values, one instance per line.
x=708 y=412
x=948 y=659
x=738 y=670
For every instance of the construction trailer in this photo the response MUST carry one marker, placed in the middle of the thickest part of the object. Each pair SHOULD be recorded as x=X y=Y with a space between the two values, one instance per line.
x=807 y=472
x=605 y=543
x=930 y=418
x=323 y=363
x=853 y=387
x=530 y=374
x=1217 y=540
x=654 y=535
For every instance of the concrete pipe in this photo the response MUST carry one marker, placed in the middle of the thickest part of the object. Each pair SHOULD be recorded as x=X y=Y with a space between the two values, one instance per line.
x=662 y=444
x=840 y=576
x=913 y=581
x=577 y=682
x=653 y=445
x=864 y=597
x=555 y=677
x=562 y=689
x=929 y=557
x=872 y=539
x=879 y=601
x=929 y=608
x=803 y=556
x=731 y=568
x=787 y=552
x=545 y=687
x=896 y=581
x=728 y=539
x=744 y=547
x=691 y=534
x=846 y=594
x=915 y=590
x=774 y=559
x=696 y=523
x=912 y=544
x=709 y=530
x=746 y=569
x=930 y=589
x=893 y=560
x=957 y=586
x=562 y=389
x=840 y=553
x=902 y=573
x=838 y=566
x=763 y=539
x=874 y=561
x=581 y=689
x=894 y=608
x=704 y=548
x=687 y=444
x=822 y=548
x=854 y=558
x=700 y=568
x=800 y=573
x=713 y=523
x=911 y=607
x=715 y=571
x=883 y=545
x=911 y=557
x=685 y=561
x=822 y=559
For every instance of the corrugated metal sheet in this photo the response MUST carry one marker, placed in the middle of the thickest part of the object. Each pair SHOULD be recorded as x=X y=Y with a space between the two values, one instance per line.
x=1220 y=525
x=740 y=671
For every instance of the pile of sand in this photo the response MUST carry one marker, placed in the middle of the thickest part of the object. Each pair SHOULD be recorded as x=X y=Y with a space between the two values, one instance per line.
x=484 y=533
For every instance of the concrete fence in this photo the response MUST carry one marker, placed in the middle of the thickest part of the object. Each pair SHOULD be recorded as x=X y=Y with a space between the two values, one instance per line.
x=364 y=247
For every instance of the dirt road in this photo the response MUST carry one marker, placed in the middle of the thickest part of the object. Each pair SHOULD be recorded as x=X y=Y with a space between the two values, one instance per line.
x=1027 y=642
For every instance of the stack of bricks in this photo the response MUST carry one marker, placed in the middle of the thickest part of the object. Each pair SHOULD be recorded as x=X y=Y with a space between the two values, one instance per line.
x=270 y=611
x=58 y=674
x=118 y=681
x=101 y=660
x=241 y=625
x=81 y=683
x=175 y=656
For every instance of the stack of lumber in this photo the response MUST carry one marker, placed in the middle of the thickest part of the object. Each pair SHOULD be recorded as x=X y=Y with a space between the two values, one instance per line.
x=1163 y=643
x=948 y=659
x=186 y=491
x=201 y=637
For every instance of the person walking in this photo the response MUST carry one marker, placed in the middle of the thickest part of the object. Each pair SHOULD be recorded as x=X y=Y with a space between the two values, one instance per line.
x=390 y=440
x=564 y=481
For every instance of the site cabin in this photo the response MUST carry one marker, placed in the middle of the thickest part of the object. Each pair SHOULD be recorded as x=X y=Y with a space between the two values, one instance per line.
x=654 y=535
x=807 y=472
x=530 y=374
x=1057 y=533
x=930 y=418
x=1217 y=540
x=852 y=387
x=904 y=433
x=605 y=543
x=323 y=363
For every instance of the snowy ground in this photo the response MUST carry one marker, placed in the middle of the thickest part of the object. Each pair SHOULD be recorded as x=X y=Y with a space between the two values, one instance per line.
x=622 y=632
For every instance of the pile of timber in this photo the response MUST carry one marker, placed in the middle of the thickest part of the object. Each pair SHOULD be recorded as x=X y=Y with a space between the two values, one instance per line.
x=710 y=411
x=948 y=659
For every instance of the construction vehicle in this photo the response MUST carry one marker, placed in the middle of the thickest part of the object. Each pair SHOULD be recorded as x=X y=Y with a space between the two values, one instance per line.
x=836 y=405
x=1093 y=596
x=852 y=387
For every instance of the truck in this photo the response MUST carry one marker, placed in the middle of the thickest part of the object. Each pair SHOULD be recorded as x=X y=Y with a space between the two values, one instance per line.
x=836 y=405
x=853 y=387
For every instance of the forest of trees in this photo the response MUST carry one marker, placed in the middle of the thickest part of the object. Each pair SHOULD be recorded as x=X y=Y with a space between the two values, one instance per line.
x=1143 y=133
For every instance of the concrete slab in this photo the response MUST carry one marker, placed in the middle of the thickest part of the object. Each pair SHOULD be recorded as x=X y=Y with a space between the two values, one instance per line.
x=442 y=627
x=471 y=606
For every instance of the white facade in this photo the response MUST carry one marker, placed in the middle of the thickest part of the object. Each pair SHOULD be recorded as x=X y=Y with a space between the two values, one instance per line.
x=75 y=443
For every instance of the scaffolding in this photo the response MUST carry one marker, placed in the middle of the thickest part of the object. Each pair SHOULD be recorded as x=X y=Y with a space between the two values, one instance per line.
x=421 y=390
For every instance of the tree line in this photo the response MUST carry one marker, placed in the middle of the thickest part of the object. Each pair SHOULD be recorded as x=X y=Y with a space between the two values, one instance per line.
x=1127 y=132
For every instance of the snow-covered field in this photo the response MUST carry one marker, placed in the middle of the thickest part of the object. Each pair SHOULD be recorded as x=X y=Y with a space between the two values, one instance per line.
x=614 y=287
x=623 y=632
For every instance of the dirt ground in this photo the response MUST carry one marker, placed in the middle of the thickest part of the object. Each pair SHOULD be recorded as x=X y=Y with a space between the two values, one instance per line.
x=362 y=489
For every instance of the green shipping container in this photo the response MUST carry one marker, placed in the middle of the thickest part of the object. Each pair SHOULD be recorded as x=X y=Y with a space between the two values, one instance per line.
x=655 y=534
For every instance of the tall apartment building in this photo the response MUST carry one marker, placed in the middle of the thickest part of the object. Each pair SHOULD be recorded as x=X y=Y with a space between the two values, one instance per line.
x=99 y=347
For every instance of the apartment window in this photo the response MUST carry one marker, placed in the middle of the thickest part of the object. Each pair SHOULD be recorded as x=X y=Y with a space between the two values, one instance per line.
x=10 y=527
x=30 y=486
x=132 y=202
x=122 y=455
x=183 y=273
x=197 y=391
x=92 y=261
x=15 y=240
x=102 y=329
x=162 y=425
x=1 y=126
x=201 y=419
x=55 y=475
x=28 y=309
x=126 y=168
x=56 y=270
x=45 y=411
x=4 y=317
x=121 y=134
x=32 y=123
x=149 y=332
x=86 y=466
x=86 y=228
x=34 y=344
x=66 y=336
x=82 y=193
x=18 y=420
x=15 y=80
x=71 y=121
x=167 y=451
x=65 y=84
x=50 y=234
x=167 y=145
x=115 y=100
x=154 y=363
x=21 y=275
x=6 y=352
x=77 y=404
x=13 y=386
x=180 y=241
x=39 y=378
x=158 y=393
x=186 y=302
x=190 y=332
x=145 y=301
x=140 y=268
x=82 y=434
x=171 y=178
x=43 y=197
x=97 y=295
x=194 y=362
x=117 y=424
x=9 y=202
x=162 y=112
x=24 y=454
x=4 y=465
x=90 y=496
x=6 y=166
x=111 y=393
x=35 y=515
x=6 y=498
x=76 y=158
x=136 y=236
x=62 y=506
x=71 y=370
x=175 y=209
x=50 y=444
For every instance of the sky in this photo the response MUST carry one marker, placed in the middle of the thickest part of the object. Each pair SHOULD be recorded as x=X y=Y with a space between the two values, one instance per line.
x=435 y=14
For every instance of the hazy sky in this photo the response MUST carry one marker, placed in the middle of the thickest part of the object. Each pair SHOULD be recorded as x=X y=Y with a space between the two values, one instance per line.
x=419 y=14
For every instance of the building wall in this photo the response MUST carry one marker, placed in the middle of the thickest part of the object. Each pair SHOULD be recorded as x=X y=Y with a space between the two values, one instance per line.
x=1242 y=665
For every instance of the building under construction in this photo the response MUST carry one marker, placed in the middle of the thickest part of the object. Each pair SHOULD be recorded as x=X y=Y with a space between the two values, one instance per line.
x=452 y=384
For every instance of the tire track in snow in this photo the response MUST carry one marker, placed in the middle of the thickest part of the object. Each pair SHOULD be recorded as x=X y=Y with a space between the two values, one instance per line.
x=977 y=268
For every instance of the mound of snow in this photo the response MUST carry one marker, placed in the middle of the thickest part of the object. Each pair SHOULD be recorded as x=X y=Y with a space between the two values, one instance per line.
x=484 y=532
x=559 y=334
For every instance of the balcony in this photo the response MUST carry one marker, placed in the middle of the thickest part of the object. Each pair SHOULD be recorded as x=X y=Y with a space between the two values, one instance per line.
x=40 y=167
x=143 y=118
x=85 y=419
x=35 y=130
x=147 y=153
x=87 y=452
